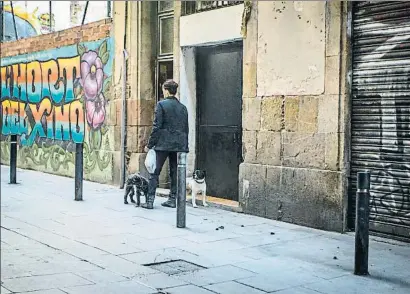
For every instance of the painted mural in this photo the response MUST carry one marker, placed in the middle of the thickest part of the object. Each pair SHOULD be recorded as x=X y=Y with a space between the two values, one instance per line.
x=55 y=99
x=34 y=18
x=30 y=21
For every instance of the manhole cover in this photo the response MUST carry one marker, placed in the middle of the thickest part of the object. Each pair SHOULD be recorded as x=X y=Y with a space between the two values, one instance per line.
x=174 y=267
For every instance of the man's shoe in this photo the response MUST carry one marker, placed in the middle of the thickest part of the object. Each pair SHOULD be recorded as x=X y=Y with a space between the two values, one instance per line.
x=169 y=203
x=147 y=205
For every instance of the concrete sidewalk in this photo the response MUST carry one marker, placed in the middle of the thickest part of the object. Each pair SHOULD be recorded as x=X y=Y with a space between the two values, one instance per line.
x=51 y=244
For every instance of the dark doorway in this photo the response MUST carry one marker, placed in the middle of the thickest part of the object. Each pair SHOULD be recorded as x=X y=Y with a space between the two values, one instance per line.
x=219 y=117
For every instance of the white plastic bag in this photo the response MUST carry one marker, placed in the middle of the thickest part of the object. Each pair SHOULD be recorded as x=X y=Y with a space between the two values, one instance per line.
x=151 y=161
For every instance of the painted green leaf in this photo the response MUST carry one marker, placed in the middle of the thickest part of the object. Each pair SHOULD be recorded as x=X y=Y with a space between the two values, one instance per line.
x=107 y=84
x=107 y=89
x=95 y=139
x=103 y=49
x=105 y=57
x=107 y=143
x=104 y=130
x=81 y=49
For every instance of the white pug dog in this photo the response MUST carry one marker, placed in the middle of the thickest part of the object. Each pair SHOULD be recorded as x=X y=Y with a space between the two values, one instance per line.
x=197 y=184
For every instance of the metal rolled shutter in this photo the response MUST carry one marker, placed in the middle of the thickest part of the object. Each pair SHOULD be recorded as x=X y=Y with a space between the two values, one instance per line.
x=381 y=113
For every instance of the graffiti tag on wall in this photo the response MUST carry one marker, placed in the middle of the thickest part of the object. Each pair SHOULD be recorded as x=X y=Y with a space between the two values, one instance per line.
x=381 y=95
x=45 y=98
x=34 y=92
x=54 y=99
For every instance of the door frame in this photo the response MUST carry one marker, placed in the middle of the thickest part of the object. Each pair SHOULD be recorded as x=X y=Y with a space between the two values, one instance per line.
x=229 y=47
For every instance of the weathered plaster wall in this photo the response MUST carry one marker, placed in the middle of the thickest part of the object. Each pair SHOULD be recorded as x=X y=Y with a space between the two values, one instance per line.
x=69 y=68
x=293 y=113
x=188 y=98
x=291 y=48
x=211 y=27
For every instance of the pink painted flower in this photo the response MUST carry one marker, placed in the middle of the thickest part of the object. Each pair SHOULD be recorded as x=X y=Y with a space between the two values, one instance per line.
x=92 y=75
x=95 y=111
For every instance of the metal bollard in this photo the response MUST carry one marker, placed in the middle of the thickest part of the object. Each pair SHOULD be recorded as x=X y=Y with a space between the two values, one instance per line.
x=361 y=258
x=78 y=196
x=181 y=197
x=13 y=159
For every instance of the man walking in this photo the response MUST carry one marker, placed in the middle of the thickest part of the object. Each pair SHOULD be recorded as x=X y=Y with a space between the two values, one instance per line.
x=169 y=136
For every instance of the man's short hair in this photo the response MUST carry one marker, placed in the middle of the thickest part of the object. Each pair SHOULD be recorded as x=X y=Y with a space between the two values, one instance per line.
x=171 y=86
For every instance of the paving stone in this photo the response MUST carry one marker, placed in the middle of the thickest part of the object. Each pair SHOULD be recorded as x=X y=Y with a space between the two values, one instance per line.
x=215 y=275
x=163 y=243
x=19 y=242
x=190 y=289
x=101 y=276
x=394 y=273
x=244 y=254
x=232 y=287
x=5 y=246
x=216 y=258
x=357 y=284
x=34 y=268
x=298 y=290
x=116 y=245
x=269 y=265
x=159 y=231
x=13 y=256
x=68 y=261
x=44 y=282
x=121 y=266
x=201 y=211
x=4 y=290
x=280 y=236
x=83 y=251
x=287 y=264
x=253 y=253
x=159 y=281
x=52 y=239
x=51 y=291
x=261 y=229
x=279 y=280
x=128 y=287
x=159 y=256
x=175 y=267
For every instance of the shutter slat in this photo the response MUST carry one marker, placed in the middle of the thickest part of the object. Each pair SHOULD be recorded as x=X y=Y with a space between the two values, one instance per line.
x=380 y=140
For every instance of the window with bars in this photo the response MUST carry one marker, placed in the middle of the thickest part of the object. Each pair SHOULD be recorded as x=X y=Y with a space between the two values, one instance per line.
x=191 y=7
x=165 y=45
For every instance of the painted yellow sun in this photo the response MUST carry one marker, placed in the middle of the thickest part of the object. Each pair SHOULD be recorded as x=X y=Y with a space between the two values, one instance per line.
x=31 y=18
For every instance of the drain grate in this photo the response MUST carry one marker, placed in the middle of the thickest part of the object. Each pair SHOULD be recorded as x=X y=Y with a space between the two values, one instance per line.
x=174 y=267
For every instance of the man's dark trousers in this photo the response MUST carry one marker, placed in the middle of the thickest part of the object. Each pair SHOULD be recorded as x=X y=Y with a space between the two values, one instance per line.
x=153 y=178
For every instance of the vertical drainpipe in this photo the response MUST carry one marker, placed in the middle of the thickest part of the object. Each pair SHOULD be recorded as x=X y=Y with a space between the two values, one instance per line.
x=124 y=102
x=85 y=12
x=1 y=22
x=347 y=148
x=14 y=20
x=108 y=8
x=50 y=15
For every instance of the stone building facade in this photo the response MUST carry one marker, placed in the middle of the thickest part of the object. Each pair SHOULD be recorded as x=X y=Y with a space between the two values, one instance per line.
x=276 y=93
x=292 y=94
x=293 y=105
x=294 y=113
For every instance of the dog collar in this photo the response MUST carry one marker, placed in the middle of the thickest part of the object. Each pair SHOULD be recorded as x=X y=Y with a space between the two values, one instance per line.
x=199 y=182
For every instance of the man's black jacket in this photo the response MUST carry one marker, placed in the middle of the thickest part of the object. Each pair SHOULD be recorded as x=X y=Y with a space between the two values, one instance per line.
x=170 y=129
